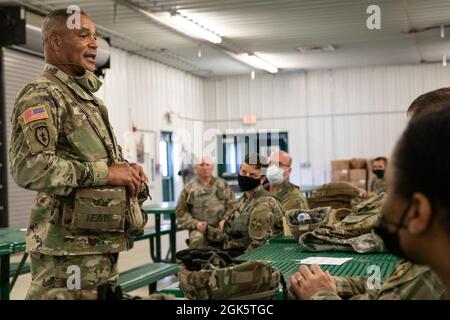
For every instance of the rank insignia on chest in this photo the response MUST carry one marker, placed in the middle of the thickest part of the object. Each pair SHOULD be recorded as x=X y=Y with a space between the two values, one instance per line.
x=34 y=113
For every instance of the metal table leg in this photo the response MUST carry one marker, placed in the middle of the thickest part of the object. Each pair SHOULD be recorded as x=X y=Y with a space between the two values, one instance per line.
x=158 y=237
x=17 y=273
x=173 y=238
x=4 y=277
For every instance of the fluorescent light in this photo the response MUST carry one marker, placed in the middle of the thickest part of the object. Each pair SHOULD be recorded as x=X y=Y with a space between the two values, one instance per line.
x=257 y=62
x=191 y=28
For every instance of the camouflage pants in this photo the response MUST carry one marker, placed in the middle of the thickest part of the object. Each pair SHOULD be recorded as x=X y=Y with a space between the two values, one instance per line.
x=55 y=275
x=214 y=237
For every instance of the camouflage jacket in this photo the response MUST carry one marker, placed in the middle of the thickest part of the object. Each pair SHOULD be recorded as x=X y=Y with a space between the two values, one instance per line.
x=204 y=203
x=290 y=197
x=61 y=142
x=407 y=282
x=253 y=221
x=378 y=185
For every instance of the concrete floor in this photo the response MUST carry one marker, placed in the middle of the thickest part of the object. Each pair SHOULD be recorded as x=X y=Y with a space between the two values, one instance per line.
x=139 y=255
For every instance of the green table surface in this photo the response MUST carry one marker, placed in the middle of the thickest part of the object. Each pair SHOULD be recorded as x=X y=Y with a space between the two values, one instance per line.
x=286 y=257
x=282 y=239
x=12 y=240
x=160 y=207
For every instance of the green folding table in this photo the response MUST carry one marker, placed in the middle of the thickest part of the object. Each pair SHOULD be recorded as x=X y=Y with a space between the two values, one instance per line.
x=12 y=240
x=285 y=255
x=158 y=209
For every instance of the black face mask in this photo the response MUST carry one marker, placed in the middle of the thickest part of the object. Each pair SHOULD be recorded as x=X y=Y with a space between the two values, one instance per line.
x=378 y=173
x=392 y=239
x=247 y=183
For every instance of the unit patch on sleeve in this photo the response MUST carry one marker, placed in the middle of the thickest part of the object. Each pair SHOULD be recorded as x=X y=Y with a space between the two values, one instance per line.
x=42 y=135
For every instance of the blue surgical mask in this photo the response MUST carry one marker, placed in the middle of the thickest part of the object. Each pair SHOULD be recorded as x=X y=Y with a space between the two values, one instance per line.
x=275 y=174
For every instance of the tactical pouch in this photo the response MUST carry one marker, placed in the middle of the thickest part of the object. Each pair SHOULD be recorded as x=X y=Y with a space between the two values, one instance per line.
x=136 y=218
x=99 y=209
x=105 y=209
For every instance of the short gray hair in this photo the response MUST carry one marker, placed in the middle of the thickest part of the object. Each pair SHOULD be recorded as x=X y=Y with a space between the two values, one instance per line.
x=53 y=20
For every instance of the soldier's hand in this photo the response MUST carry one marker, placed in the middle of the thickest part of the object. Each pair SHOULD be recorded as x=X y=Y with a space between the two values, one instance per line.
x=221 y=224
x=140 y=171
x=201 y=226
x=122 y=174
x=306 y=283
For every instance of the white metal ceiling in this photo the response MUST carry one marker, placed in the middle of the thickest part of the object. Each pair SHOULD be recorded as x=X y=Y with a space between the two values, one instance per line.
x=275 y=28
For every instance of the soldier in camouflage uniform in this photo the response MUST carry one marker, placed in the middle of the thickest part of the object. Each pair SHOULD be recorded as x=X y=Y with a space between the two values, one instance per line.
x=415 y=218
x=408 y=281
x=257 y=216
x=289 y=195
x=202 y=204
x=378 y=184
x=62 y=143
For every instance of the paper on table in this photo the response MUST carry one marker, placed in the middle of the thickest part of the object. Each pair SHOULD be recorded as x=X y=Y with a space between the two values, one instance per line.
x=324 y=260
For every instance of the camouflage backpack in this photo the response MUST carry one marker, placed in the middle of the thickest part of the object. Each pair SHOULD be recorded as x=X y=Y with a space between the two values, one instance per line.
x=355 y=232
x=211 y=274
x=301 y=220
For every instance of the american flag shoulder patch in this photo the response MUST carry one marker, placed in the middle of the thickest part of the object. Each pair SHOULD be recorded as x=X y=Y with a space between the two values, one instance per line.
x=34 y=113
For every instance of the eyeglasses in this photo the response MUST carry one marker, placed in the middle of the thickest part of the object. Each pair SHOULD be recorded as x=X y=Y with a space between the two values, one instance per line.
x=280 y=165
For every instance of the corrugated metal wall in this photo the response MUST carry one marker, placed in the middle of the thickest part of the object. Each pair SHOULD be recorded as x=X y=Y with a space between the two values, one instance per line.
x=140 y=92
x=20 y=68
x=329 y=114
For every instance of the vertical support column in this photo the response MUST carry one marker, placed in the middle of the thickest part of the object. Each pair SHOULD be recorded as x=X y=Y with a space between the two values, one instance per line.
x=3 y=164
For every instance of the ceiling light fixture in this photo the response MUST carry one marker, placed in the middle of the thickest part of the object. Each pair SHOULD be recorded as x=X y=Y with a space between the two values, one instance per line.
x=257 y=62
x=317 y=49
x=193 y=29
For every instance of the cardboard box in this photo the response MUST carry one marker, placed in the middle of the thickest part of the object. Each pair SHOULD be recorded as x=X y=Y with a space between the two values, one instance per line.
x=358 y=163
x=339 y=175
x=337 y=165
x=357 y=174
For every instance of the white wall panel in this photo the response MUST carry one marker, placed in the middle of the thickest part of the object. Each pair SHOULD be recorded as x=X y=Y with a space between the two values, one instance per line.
x=19 y=69
x=140 y=92
x=329 y=114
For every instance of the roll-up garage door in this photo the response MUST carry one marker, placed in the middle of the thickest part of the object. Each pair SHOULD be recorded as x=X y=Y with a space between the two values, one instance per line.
x=20 y=68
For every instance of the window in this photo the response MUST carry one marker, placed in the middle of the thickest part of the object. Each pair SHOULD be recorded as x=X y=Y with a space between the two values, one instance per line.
x=163 y=158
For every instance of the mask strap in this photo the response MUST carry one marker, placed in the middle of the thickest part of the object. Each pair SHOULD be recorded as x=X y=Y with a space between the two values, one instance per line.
x=400 y=224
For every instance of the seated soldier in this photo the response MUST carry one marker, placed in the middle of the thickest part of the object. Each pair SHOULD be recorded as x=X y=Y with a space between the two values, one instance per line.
x=202 y=204
x=289 y=195
x=415 y=222
x=257 y=216
x=378 y=184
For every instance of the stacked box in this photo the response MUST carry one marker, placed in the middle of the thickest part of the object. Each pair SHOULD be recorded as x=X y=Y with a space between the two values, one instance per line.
x=354 y=171
x=339 y=170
